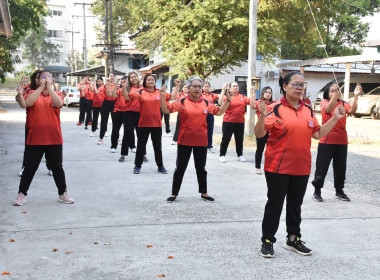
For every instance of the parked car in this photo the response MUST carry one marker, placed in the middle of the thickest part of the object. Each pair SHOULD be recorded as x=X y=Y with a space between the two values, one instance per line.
x=367 y=104
x=377 y=109
x=368 y=83
x=72 y=96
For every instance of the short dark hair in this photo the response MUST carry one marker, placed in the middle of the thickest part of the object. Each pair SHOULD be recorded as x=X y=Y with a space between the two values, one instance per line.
x=326 y=90
x=285 y=80
x=33 y=77
x=144 y=81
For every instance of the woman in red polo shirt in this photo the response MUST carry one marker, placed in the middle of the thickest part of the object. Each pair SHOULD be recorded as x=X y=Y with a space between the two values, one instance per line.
x=44 y=137
x=184 y=93
x=192 y=135
x=89 y=103
x=150 y=120
x=107 y=106
x=210 y=97
x=291 y=125
x=233 y=121
x=82 y=87
x=265 y=96
x=334 y=145
x=97 y=104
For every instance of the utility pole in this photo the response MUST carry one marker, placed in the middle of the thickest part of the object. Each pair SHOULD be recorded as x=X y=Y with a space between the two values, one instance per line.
x=73 y=60
x=84 y=31
x=252 y=80
x=105 y=50
x=111 y=38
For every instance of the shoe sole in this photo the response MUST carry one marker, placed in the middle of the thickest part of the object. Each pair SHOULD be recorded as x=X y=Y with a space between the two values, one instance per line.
x=267 y=256
x=343 y=199
x=207 y=200
x=318 y=200
x=16 y=204
x=66 y=202
x=290 y=248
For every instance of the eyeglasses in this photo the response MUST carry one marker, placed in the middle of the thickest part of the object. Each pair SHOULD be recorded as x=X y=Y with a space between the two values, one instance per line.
x=297 y=85
x=196 y=86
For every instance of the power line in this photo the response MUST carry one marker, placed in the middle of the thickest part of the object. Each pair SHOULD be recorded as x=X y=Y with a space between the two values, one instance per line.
x=355 y=6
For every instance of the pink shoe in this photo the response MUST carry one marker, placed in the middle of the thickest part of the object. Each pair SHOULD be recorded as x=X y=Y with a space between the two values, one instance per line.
x=65 y=198
x=20 y=200
x=100 y=142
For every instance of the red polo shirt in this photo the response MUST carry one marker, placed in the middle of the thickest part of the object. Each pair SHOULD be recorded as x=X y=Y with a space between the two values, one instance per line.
x=83 y=92
x=210 y=97
x=181 y=95
x=338 y=135
x=192 y=120
x=134 y=104
x=236 y=110
x=98 y=99
x=290 y=132
x=120 y=105
x=150 y=104
x=103 y=89
x=89 y=94
x=44 y=126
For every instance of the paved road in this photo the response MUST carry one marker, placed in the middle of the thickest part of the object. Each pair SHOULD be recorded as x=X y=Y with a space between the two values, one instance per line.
x=105 y=234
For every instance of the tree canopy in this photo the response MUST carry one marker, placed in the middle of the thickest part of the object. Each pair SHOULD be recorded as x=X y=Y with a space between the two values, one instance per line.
x=25 y=15
x=206 y=37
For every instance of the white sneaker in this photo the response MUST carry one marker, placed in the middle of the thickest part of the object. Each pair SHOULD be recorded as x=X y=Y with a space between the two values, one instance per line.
x=222 y=159
x=92 y=134
x=211 y=150
x=106 y=134
x=258 y=171
x=100 y=142
x=113 y=150
x=21 y=171
x=50 y=173
x=20 y=200
x=65 y=198
x=242 y=159
x=133 y=150
x=174 y=143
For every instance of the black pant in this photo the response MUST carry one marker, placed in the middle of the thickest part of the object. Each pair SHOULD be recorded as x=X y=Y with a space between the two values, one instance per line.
x=33 y=156
x=279 y=186
x=107 y=108
x=88 y=111
x=142 y=139
x=260 y=142
x=82 y=109
x=132 y=123
x=210 y=129
x=167 y=121
x=229 y=128
x=175 y=136
x=183 y=156
x=326 y=153
x=95 y=112
x=119 y=119
x=23 y=160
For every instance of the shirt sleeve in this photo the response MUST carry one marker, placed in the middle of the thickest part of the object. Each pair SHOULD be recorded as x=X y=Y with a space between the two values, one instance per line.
x=168 y=96
x=347 y=107
x=247 y=100
x=316 y=126
x=212 y=109
x=175 y=106
x=134 y=95
x=323 y=105
x=270 y=120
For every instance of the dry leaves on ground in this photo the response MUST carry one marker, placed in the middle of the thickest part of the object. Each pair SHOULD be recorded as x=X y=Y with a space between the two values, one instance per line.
x=6 y=273
x=11 y=240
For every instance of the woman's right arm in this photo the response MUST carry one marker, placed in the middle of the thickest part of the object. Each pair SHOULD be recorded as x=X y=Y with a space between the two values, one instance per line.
x=333 y=100
x=253 y=100
x=260 y=124
x=221 y=97
x=124 y=90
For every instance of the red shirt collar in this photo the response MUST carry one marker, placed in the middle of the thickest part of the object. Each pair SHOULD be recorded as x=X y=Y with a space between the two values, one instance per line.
x=199 y=99
x=286 y=102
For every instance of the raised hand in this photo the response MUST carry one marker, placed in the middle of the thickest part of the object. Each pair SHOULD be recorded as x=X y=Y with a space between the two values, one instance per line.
x=262 y=108
x=225 y=86
x=358 y=90
x=335 y=90
x=340 y=112
x=228 y=94
x=163 y=90
x=177 y=82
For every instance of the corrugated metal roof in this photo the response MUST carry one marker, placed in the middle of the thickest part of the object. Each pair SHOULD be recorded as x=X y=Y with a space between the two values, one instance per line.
x=332 y=60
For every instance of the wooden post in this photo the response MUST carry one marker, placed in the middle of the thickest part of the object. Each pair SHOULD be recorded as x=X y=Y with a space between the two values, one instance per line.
x=347 y=80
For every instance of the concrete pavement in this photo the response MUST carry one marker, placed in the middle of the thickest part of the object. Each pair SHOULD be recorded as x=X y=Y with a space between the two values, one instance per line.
x=117 y=214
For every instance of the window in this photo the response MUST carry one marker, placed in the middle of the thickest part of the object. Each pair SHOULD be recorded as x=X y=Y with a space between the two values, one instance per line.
x=55 y=33
x=55 y=13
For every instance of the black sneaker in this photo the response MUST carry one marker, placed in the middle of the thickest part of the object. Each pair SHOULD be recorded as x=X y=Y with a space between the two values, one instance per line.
x=145 y=159
x=317 y=197
x=171 y=199
x=267 y=249
x=297 y=246
x=207 y=198
x=342 y=196
x=121 y=159
x=162 y=170
x=136 y=170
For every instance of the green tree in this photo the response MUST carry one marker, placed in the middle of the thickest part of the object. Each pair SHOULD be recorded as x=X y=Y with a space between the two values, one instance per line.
x=25 y=15
x=39 y=50
x=206 y=37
